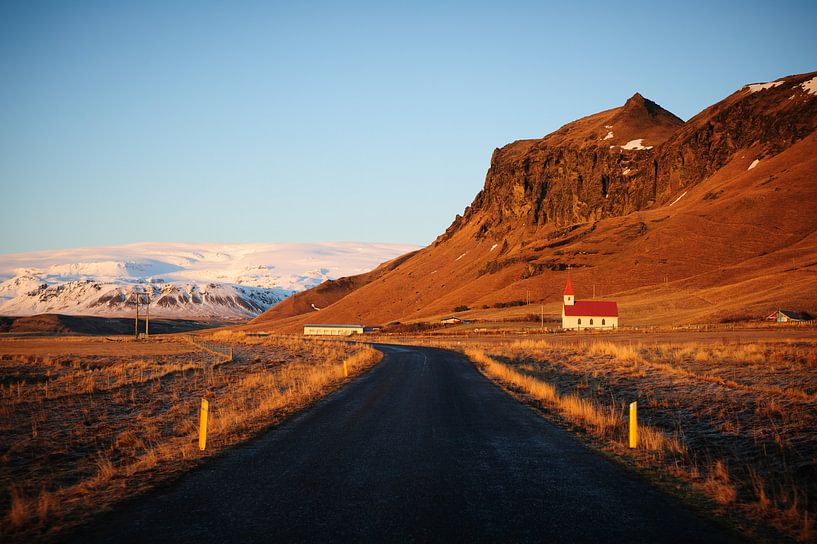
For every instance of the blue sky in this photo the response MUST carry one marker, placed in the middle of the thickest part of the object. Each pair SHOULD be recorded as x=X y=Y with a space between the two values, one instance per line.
x=261 y=122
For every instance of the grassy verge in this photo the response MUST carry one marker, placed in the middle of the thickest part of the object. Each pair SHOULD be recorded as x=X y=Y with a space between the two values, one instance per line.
x=79 y=433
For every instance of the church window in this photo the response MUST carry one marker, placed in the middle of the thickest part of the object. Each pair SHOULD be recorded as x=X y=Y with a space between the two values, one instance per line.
x=603 y=321
x=580 y=321
x=591 y=320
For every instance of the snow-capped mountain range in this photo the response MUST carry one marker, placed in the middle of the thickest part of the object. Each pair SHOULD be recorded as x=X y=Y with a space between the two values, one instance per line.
x=226 y=281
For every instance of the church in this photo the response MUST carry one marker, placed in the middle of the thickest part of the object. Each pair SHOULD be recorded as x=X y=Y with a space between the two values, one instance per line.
x=587 y=314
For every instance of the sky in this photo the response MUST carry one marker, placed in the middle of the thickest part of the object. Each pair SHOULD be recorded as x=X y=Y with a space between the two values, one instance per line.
x=167 y=121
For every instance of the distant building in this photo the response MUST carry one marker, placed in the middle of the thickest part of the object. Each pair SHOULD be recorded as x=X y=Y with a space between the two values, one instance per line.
x=451 y=320
x=587 y=314
x=784 y=316
x=332 y=330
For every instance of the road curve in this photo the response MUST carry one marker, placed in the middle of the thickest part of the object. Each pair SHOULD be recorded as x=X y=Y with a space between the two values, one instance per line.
x=422 y=448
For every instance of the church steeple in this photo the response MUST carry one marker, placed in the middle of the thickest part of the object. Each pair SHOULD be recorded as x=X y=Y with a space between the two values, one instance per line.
x=569 y=296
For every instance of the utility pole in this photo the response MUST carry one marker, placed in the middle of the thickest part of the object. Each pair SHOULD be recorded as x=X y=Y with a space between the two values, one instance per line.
x=593 y=271
x=147 y=316
x=542 y=310
x=136 y=324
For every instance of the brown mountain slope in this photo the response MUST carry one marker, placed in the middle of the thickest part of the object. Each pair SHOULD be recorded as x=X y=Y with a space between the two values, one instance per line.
x=679 y=225
x=329 y=292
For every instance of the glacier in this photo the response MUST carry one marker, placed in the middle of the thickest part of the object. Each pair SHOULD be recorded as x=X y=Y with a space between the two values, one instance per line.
x=223 y=281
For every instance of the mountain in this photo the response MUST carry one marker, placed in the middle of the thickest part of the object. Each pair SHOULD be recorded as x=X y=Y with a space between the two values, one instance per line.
x=706 y=220
x=202 y=281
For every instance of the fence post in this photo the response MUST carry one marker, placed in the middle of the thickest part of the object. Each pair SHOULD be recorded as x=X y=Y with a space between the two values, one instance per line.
x=203 y=424
x=633 y=424
x=345 y=369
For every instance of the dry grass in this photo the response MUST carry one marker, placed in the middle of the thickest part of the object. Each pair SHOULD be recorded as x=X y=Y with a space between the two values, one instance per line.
x=80 y=432
x=572 y=407
x=602 y=421
x=738 y=422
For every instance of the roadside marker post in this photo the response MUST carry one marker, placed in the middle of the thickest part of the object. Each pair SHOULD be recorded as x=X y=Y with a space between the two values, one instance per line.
x=633 y=424
x=203 y=424
x=345 y=370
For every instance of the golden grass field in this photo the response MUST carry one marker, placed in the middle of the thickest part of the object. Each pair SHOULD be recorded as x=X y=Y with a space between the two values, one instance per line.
x=735 y=422
x=729 y=416
x=88 y=421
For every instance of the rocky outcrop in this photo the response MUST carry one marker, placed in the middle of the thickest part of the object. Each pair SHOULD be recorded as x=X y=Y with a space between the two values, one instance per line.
x=632 y=158
x=768 y=120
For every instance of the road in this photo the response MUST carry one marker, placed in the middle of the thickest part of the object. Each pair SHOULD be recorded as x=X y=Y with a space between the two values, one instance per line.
x=422 y=448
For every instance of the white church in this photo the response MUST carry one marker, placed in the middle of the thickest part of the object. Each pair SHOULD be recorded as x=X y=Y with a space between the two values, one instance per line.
x=587 y=314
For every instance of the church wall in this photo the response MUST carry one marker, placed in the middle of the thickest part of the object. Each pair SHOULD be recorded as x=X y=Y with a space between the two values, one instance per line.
x=572 y=322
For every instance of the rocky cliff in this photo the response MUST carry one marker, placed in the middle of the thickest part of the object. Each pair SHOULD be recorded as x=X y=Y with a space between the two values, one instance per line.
x=633 y=157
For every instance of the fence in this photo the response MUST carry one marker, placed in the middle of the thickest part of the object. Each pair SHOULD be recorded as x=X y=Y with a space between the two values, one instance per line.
x=222 y=354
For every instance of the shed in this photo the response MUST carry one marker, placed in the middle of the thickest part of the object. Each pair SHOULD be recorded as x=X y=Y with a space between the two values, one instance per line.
x=784 y=316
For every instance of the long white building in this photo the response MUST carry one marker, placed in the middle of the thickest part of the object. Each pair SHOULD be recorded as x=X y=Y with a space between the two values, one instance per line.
x=332 y=330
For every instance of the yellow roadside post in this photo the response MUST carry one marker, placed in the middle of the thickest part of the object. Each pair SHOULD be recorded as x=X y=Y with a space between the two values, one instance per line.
x=203 y=424
x=633 y=424
x=345 y=370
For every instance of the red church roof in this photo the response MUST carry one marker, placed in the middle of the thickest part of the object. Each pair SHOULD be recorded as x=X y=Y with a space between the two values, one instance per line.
x=569 y=286
x=591 y=308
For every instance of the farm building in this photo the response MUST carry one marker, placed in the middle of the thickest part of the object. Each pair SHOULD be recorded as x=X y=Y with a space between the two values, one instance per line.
x=450 y=320
x=587 y=314
x=332 y=330
x=784 y=316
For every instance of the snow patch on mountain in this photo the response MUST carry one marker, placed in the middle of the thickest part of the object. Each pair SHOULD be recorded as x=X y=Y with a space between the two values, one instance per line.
x=183 y=280
x=810 y=86
x=757 y=87
x=679 y=198
x=636 y=145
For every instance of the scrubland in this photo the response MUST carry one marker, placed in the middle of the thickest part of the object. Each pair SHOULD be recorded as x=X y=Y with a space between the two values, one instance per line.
x=734 y=423
x=85 y=423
